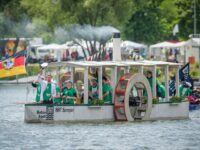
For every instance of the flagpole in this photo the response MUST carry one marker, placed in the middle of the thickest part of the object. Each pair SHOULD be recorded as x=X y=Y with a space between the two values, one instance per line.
x=195 y=22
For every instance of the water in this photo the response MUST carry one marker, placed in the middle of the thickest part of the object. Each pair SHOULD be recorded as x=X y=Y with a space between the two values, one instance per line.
x=15 y=134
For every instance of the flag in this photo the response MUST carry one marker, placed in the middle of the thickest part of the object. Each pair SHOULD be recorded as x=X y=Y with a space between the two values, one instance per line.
x=172 y=86
x=12 y=58
x=184 y=75
x=175 y=30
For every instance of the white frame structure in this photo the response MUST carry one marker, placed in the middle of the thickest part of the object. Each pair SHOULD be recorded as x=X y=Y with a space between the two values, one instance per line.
x=114 y=65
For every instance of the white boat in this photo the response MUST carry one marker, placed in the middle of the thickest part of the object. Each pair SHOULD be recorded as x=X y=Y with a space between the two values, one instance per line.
x=121 y=109
x=132 y=95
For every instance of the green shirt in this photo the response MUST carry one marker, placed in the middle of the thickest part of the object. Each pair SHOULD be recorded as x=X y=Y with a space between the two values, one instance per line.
x=57 y=99
x=38 y=86
x=47 y=93
x=151 y=82
x=106 y=88
x=94 y=90
x=69 y=92
x=161 y=89
x=184 y=91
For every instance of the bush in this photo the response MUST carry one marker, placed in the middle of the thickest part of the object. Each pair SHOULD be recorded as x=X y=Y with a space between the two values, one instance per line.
x=176 y=99
x=194 y=74
x=96 y=102
x=155 y=100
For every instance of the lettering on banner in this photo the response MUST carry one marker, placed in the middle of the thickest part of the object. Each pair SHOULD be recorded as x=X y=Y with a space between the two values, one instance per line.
x=63 y=109
x=48 y=114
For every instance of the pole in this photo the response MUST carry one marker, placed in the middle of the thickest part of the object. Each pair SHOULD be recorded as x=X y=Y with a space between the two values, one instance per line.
x=86 y=85
x=195 y=22
x=166 y=83
x=154 y=82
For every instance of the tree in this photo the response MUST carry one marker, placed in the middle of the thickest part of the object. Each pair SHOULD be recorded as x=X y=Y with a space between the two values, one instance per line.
x=82 y=12
x=152 y=22
x=186 y=17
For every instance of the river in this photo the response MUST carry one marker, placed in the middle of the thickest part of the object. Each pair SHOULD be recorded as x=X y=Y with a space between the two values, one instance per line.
x=16 y=134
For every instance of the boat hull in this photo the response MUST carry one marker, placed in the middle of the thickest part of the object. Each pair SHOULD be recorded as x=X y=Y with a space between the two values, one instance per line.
x=37 y=113
x=65 y=113
x=194 y=107
x=171 y=111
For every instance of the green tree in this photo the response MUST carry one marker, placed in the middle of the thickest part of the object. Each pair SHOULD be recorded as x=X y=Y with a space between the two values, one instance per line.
x=153 y=21
x=81 y=12
x=95 y=13
x=186 y=17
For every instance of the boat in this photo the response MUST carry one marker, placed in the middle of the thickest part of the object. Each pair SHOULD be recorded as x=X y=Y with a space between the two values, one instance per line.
x=194 y=107
x=132 y=95
x=121 y=109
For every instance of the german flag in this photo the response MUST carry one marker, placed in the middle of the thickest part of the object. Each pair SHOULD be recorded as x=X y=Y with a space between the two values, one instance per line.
x=12 y=66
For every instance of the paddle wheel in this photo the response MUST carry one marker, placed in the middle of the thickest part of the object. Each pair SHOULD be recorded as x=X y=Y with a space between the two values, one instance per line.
x=133 y=98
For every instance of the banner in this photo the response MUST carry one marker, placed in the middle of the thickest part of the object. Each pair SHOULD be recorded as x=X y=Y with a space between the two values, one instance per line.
x=184 y=75
x=12 y=57
x=172 y=86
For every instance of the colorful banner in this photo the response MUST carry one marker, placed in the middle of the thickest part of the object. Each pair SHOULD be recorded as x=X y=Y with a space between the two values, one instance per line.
x=12 y=57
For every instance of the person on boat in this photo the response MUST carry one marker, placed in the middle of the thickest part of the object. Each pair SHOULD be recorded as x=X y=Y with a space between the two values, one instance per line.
x=194 y=98
x=39 y=92
x=48 y=89
x=80 y=91
x=160 y=89
x=107 y=95
x=94 y=72
x=57 y=99
x=185 y=89
x=69 y=94
x=93 y=89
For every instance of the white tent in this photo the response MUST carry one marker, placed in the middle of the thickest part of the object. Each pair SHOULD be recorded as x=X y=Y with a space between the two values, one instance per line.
x=53 y=47
x=128 y=44
x=160 y=51
x=194 y=42
x=132 y=45
x=163 y=45
x=193 y=49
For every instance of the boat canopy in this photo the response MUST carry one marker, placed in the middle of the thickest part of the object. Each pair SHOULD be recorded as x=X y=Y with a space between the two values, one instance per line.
x=115 y=63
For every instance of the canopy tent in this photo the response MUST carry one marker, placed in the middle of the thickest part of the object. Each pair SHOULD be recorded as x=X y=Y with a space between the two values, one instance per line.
x=133 y=45
x=133 y=49
x=163 y=45
x=181 y=51
x=169 y=45
x=180 y=44
x=193 y=42
x=168 y=51
x=53 y=46
x=129 y=44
